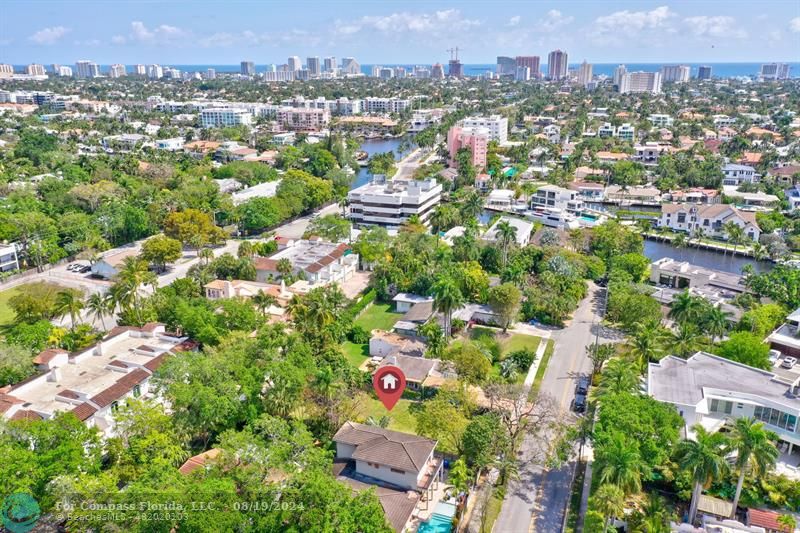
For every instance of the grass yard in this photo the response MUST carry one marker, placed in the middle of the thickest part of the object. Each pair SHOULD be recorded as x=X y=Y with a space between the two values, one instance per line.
x=512 y=343
x=400 y=417
x=6 y=313
x=537 y=381
x=355 y=353
x=378 y=316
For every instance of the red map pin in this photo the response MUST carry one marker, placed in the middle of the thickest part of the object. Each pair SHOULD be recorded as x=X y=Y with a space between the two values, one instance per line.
x=389 y=383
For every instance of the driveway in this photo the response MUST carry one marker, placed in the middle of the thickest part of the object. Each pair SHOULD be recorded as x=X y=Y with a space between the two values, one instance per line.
x=538 y=500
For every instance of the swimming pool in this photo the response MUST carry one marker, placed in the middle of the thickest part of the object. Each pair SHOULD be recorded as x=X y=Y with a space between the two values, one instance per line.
x=441 y=521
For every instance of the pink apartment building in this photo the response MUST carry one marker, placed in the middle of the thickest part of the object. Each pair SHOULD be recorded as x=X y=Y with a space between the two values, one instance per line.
x=476 y=139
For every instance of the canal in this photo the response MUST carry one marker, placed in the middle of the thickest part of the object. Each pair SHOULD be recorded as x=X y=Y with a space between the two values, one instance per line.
x=703 y=258
x=378 y=146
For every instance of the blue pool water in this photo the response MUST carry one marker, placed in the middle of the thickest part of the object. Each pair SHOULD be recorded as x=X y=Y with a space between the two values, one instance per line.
x=588 y=218
x=441 y=521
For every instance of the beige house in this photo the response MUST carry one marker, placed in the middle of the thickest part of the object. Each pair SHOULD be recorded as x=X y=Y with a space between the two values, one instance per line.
x=708 y=218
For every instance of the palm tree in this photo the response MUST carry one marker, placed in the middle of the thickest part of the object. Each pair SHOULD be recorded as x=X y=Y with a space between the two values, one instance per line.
x=101 y=306
x=609 y=500
x=263 y=301
x=472 y=205
x=760 y=251
x=131 y=278
x=647 y=343
x=206 y=254
x=284 y=267
x=619 y=463
x=69 y=302
x=685 y=340
x=507 y=467
x=735 y=234
x=618 y=376
x=755 y=451
x=506 y=234
x=657 y=516
x=787 y=523
x=679 y=240
x=716 y=322
x=686 y=308
x=246 y=249
x=446 y=298
x=704 y=458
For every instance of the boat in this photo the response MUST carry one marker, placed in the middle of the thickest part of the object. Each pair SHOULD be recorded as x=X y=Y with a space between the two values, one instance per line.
x=553 y=217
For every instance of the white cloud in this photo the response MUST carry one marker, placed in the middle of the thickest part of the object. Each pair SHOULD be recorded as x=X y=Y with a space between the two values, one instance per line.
x=49 y=35
x=251 y=38
x=715 y=27
x=162 y=34
x=794 y=24
x=553 y=21
x=620 y=26
x=448 y=20
x=87 y=42
x=514 y=21
x=119 y=39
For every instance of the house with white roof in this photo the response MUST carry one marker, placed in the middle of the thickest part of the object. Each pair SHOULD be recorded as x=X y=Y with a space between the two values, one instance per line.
x=735 y=174
x=711 y=219
x=523 y=227
x=557 y=197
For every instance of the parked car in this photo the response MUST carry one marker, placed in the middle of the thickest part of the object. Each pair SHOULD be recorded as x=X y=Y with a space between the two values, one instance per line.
x=788 y=362
x=579 y=403
x=84 y=269
x=774 y=355
x=72 y=266
x=582 y=386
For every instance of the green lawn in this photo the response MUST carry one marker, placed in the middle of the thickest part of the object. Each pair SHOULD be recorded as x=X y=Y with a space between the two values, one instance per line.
x=378 y=316
x=6 y=313
x=510 y=344
x=537 y=380
x=355 y=353
x=400 y=417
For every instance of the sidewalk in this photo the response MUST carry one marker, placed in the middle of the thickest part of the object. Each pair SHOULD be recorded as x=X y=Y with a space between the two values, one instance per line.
x=535 y=365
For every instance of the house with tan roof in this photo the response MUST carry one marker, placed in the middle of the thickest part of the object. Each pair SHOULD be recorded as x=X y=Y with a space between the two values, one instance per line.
x=401 y=466
x=94 y=381
x=710 y=219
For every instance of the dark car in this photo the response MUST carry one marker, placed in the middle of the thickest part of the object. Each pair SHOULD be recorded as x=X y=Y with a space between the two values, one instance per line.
x=582 y=386
x=579 y=403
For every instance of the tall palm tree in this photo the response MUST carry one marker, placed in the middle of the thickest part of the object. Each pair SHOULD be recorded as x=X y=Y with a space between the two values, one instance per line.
x=618 y=376
x=446 y=298
x=679 y=240
x=735 y=234
x=760 y=251
x=716 y=322
x=69 y=302
x=245 y=249
x=646 y=344
x=284 y=267
x=609 y=500
x=506 y=234
x=704 y=458
x=263 y=301
x=686 y=308
x=755 y=451
x=131 y=278
x=101 y=306
x=619 y=463
x=685 y=340
x=472 y=205
x=206 y=254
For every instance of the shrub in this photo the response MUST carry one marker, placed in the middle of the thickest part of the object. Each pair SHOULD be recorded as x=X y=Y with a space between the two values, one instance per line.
x=358 y=335
x=523 y=358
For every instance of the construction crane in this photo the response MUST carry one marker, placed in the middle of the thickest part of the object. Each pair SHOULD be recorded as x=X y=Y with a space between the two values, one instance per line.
x=453 y=53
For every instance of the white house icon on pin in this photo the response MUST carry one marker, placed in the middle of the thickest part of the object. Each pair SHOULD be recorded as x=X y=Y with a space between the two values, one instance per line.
x=389 y=382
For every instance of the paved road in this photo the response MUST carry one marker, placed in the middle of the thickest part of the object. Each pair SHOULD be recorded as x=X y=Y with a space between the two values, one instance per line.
x=538 y=500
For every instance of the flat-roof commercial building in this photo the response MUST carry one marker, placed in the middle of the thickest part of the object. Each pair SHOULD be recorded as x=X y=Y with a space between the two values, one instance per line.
x=95 y=380
x=303 y=119
x=219 y=117
x=391 y=203
x=640 y=82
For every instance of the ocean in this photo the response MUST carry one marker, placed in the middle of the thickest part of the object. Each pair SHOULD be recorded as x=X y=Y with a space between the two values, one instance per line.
x=718 y=70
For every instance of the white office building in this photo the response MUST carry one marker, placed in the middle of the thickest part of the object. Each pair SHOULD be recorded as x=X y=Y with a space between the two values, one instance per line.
x=294 y=63
x=640 y=82
x=314 y=66
x=497 y=125
x=140 y=70
x=390 y=203
x=675 y=73
x=116 y=71
x=774 y=71
x=155 y=72
x=219 y=117
x=87 y=69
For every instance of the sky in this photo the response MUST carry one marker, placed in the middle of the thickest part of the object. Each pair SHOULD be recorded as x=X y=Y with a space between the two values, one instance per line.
x=390 y=32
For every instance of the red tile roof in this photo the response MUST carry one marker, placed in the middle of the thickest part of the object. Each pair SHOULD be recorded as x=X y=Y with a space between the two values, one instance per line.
x=766 y=519
x=25 y=414
x=46 y=356
x=119 y=389
x=66 y=393
x=153 y=364
x=84 y=411
x=193 y=463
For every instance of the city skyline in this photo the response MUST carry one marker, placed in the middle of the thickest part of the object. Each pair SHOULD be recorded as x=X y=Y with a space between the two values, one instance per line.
x=401 y=33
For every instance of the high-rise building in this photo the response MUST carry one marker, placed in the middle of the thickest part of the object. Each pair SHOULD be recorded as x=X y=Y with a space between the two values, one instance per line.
x=87 y=69
x=386 y=73
x=6 y=70
x=584 y=74
x=155 y=72
x=704 y=72
x=329 y=64
x=247 y=68
x=532 y=62
x=640 y=82
x=400 y=72
x=774 y=71
x=675 y=73
x=619 y=73
x=211 y=74
x=375 y=71
x=294 y=63
x=35 y=69
x=557 y=65
x=116 y=70
x=422 y=72
x=65 y=71
x=54 y=68
x=314 y=66
x=522 y=73
x=506 y=66
x=140 y=70
x=350 y=66
x=455 y=69
x=475 y=139
x=437 y=71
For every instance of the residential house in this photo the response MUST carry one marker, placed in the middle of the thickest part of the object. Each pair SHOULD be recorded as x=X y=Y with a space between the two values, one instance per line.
x=786 y=338
x=94 y=381
x=557 y=197
x=695 y=195
x=786 y=175
x=709 y=390
x=639 y=194
x=500 y=199
x=649 y=153
x=110 y=264
x=756 y=200
x=8 y=257
x=483 y=182
x=318 y=262
x=523 y=227
x=610 y=157
x=734 y=174
x=708 y=218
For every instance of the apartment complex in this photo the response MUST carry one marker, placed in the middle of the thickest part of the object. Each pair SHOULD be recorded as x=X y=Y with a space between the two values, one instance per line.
x=391 y=203
x=303 y=119
x=557 y=65
x=496 y=125
x=247 y=68
x=675 y=73
x=506 y=66
x=318 y=262
x=640 y=82
x=584 y=74
x=475 y=139
x=35 y=69
x=385 y=105
x=220 y=117
x=532 y=62
x=704 y=72
x=87 y=69
x=774 y=71
x=94 y=381
x=116 y=71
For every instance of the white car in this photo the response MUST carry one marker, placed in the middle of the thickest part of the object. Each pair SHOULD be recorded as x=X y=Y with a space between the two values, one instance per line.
x=788 y=362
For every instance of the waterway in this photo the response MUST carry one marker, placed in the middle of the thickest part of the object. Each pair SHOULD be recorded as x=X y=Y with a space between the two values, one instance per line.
x=703 y=258
x=377 y=146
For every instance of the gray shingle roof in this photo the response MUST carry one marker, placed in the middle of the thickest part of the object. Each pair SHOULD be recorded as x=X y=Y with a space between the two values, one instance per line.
x=391 y=448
